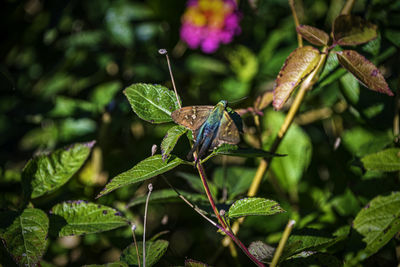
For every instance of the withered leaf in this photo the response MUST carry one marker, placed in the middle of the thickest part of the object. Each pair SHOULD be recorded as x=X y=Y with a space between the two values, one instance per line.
x=353 y=30
x=364 y=70
x=298 y=65
x=313 y=35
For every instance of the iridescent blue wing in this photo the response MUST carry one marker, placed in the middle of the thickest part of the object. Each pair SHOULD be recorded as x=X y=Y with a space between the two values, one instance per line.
x=227 y=133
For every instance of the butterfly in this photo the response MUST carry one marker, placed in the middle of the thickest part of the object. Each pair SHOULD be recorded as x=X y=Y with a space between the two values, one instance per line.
x=212 y=126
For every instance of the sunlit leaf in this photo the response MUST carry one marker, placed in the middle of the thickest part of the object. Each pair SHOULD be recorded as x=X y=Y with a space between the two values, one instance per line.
x=80 y=217
x=313 y=35
x=170 y=139
x=254 y=206
x=144 y=170
x=353 y=30
x=167 y=195
x=46 y=173
x=298 y=64
x=364 y=70
x=154 y=251
x=152 y=103
x=26 y=238
x=379 y=221
x=387 y=160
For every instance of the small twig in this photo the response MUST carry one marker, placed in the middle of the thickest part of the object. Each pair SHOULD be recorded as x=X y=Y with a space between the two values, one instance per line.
x=348 y=6
x=134 y=241
x=165 y=52
x=282 y=242
x=199 y=211
x=150 y=187
x=296 y=22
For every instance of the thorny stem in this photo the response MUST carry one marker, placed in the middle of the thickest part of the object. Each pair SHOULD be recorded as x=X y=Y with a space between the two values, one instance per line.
x=282 y=242
x=150 y=187
x=296 y=22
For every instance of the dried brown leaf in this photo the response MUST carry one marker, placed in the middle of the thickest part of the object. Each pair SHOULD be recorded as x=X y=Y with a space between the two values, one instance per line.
x=298 y=65
x=313 y=35
x=364 y=70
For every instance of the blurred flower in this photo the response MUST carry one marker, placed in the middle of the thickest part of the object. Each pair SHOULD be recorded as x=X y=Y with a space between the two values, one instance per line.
x=207 y=23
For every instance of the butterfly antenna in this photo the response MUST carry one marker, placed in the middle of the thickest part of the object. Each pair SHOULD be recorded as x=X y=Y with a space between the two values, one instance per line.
x=238 y=100
x=165 y=52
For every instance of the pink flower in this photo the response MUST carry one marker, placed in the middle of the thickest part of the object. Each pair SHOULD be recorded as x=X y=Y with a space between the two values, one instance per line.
x=207 y=23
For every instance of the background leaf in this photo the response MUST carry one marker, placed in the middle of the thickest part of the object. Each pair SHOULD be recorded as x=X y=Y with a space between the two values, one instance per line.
x=80 y=217
x=254 y=206
x=379 y=221
x=298 y=64
x=144 y=170
x=366 y=72
x=26 y=238
x=387 y=160
x=46 y=173
x=154 y=251
x=233 y=150
x=152 y=103
x=353 y=30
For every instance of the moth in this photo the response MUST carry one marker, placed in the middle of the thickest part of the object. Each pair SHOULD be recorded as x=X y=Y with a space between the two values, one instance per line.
x=212 y=126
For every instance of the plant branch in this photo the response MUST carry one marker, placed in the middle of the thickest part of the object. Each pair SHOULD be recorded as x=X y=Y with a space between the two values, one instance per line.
x=282 y=242
x=348 y=6
x=296 y=22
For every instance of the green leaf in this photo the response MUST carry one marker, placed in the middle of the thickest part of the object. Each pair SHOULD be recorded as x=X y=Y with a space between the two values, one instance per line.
x=243 y=63
x=110 y=264
x=379 y=221
x=364 y=70
x=254 y=206
x=353 y=30
x=152 y=103
x=154 y=251
x=144 y=170
x=26 y=238
x=298 y=65
x=194 y=263
x=262 y=251
x=387 y=160
x=237 y=179
x=313 y=35
x=104 y=93
x=170 y=139
x=360 y=141
x=312 y=259
x=308 y=239
x=46 y=173
x=80 y=217
x=167 y=195
x=296 y=144
x=350 y=88
x=234 y=150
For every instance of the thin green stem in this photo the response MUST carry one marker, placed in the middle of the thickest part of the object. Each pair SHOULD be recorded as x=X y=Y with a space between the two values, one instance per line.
x=282 y=242
x=150 y=187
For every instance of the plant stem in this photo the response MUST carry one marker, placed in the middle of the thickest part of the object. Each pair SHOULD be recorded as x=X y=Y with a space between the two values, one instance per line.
x=296 y=22
x=134 y=241
x=348 y=6
x=150 y=187
x=282 y=243
x=265 y=163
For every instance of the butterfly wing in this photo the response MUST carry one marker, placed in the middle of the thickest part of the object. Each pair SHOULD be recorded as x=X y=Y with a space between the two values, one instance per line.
x=191 y=117
x=227 y=133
